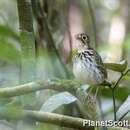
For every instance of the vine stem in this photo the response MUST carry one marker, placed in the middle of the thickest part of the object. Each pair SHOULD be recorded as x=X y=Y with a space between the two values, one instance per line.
x=114 y=103
x=113 y=89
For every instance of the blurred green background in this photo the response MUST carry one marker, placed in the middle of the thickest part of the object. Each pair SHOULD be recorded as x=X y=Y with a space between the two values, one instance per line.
x=107 y=23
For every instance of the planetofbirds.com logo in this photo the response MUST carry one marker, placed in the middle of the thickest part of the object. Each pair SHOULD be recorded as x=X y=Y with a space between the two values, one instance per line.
x=106 y=123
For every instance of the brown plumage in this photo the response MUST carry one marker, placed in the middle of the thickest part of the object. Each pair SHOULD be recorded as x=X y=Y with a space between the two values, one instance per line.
x=87 y=63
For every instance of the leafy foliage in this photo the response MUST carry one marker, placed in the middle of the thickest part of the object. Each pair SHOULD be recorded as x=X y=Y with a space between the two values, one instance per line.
x=124 y=109
x=53 y=24
x=57 y=100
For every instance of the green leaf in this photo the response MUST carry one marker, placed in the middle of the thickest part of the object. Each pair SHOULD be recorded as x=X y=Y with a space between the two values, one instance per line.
x=127 y=78
x=9 y=52
x=119 y=67
x=5 y=31
x=11 y=112
x=124 y=108
x=122 y=92
x=57 y=100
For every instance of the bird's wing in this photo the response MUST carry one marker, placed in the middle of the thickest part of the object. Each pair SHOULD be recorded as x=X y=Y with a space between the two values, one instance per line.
x=97 y=57
x=103 y=70
x=99 y=62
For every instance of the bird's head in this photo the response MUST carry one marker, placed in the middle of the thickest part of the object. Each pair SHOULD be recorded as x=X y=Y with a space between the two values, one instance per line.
x=82 y=40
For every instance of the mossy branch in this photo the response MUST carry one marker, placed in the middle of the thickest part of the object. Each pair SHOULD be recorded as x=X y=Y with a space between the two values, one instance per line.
x=46 y=117
x=57 y=119
x=58 y=85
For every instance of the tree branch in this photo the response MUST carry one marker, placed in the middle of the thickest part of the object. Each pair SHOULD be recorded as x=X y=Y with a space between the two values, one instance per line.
x=58 y=85
x=57 y=119
x=46 y=117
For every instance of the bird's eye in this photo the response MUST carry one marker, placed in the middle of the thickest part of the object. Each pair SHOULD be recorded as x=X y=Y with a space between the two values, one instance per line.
x=84 y=37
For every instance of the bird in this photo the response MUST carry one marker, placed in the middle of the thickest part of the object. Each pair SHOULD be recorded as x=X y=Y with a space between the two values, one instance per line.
x=88 y=67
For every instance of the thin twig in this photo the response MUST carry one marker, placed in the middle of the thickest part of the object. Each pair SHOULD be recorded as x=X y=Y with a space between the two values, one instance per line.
x=113 y=89
x=70 y=39
x=93 y=21
x=116 y=84
x=114 y=103
x=41 y=18
x=120 y=78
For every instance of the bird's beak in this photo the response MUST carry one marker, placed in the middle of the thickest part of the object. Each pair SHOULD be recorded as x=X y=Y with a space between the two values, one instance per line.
x=77 y=36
